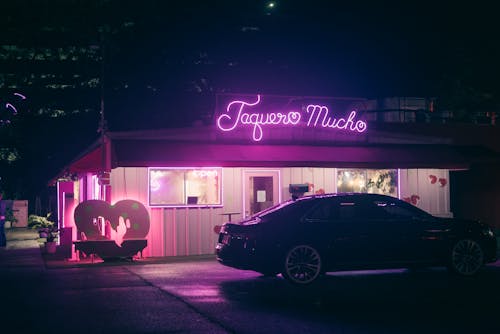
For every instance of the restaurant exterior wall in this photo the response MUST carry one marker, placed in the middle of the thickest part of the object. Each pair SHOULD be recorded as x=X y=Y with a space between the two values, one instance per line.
x=179 y=231
x=319 y=180
x=429 y=189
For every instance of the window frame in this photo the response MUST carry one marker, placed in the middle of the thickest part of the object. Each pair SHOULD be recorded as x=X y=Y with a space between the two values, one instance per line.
x=364 y=173
x=185 y=195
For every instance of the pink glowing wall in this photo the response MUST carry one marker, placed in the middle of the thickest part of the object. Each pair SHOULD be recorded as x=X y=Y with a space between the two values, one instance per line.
x=66 y=205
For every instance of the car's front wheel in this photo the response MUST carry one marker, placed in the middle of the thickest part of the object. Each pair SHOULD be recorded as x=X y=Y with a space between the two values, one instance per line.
x=302 y=265
x=467 y=257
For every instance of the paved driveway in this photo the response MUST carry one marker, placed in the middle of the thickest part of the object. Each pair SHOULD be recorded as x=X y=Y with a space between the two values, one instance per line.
x=198 y=295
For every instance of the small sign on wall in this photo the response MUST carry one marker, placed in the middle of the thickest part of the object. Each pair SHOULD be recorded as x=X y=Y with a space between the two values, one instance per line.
x=261 y=196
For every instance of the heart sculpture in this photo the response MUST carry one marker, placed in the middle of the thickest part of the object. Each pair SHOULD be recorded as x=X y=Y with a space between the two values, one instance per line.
x=128 y=219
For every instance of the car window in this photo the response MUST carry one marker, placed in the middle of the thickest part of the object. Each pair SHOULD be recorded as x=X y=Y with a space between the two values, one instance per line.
x=396 y=209
x=332 y=209
x=298 y=207
x=346 y=209
x=367 y=210
x=321 y=211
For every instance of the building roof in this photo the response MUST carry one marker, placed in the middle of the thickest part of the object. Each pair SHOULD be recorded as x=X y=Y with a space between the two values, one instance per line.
x=156 y=153
x=203 y=147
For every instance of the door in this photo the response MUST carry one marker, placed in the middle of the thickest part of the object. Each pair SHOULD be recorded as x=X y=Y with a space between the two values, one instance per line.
x=362 y=236
x=261 y=190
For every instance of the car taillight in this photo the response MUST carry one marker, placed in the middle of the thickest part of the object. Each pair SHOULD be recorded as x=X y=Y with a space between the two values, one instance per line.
x=225 y=239
x=223 y=228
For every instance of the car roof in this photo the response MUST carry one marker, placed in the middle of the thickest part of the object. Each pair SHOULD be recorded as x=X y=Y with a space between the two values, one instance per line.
x=347 y=195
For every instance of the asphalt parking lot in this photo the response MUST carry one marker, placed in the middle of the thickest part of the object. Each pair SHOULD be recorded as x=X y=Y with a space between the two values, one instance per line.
x=198 y=295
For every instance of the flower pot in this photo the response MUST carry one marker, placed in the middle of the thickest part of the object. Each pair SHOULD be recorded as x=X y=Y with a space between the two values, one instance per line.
x=50 y=247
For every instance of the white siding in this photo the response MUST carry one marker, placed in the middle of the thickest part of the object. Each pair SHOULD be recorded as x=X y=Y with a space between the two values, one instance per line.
x=433 y=196
x=318 y=178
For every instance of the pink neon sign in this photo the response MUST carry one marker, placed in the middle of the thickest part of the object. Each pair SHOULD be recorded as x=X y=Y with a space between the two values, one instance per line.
x=238 y=114
x=12 y=107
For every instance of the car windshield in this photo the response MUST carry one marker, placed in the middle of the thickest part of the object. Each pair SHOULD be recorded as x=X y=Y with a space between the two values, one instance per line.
x=270 y=209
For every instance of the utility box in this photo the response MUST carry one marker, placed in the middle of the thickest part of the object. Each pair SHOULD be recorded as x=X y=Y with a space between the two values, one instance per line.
x=19 y=210
x=65 y=242
x=298 y=188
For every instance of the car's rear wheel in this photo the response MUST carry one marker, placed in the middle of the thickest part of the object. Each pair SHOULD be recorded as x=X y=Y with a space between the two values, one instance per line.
x=467 y=257
x=302 y=265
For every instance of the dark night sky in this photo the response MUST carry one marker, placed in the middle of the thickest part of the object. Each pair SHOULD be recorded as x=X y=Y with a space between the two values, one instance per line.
x=322 y=48
x=331 y=48
x=360 y=45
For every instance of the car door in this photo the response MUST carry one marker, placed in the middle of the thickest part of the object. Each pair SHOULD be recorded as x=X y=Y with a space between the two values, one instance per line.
x=374 y=236
x=353 y=236
x=416 y=236
x=393 y=234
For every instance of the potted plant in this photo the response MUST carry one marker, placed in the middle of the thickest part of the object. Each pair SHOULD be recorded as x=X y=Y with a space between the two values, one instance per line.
x=46 y=229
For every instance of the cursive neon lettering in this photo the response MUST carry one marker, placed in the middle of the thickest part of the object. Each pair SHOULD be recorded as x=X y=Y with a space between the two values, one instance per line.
x=320 y=114
x=238 y=113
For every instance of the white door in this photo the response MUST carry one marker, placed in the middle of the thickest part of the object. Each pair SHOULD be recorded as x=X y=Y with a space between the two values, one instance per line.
x=261 y=190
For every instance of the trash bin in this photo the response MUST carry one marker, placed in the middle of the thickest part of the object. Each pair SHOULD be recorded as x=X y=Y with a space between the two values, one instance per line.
x=65 y=242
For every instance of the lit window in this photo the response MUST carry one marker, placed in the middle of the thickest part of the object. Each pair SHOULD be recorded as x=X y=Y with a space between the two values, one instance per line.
x=351 y=180
x=382 y=181
x=179 y=187
x=96 y=189
x=376 y=181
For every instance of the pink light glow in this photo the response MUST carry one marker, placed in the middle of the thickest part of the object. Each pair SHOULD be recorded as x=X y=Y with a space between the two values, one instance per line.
x=319 y=116
x=155 y=183
x=10 y=105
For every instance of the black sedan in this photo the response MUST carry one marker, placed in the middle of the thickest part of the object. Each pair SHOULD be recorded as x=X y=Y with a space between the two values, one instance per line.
x=304 y=238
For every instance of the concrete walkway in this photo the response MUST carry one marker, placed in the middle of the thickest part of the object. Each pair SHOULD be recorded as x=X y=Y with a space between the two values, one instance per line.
x=22 y=237
x=22 y=249
x=25 y=248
